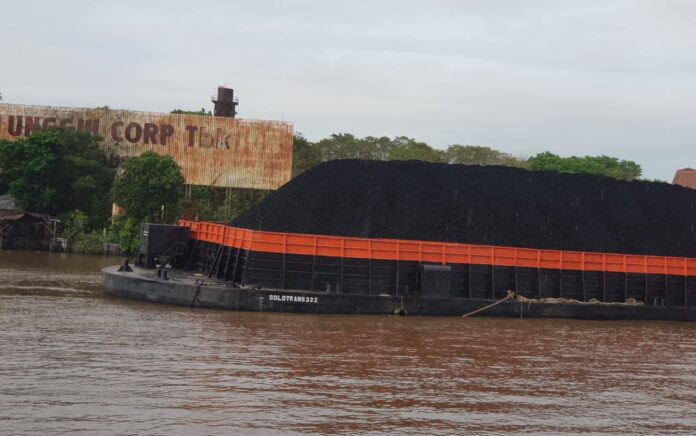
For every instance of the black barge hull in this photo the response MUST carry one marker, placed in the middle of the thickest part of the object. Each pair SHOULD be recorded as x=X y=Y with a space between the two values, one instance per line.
x=189 y=290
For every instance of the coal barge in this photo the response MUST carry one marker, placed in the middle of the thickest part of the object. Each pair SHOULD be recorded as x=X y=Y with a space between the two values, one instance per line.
x=415 y=238
x=223 y=267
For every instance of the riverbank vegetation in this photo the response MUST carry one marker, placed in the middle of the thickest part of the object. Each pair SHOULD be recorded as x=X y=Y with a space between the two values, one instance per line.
x=150 y=189
x=65 y=174
x=307 y=154
x=59 y=171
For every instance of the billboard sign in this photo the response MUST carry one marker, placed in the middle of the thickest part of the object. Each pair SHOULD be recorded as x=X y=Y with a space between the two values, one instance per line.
x=212 y=151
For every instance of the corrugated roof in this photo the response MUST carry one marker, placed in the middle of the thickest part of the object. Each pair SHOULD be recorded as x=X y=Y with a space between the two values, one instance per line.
x=18 y=215
x=685 y=177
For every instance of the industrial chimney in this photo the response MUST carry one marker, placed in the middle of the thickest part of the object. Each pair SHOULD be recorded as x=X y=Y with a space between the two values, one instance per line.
x=225 y=103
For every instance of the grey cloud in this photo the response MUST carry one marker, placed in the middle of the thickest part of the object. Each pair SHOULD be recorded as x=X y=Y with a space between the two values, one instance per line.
x=573 y=77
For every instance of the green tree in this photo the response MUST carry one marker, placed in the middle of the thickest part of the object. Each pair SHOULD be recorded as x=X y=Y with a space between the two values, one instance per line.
x=210 y=203
x=75 y=224
x=149 y=182
x=125 y=231
x=305 y=155
x=599 y=165
x=477 y=155
x=383 y=146
x=416 y=151
x=239 y=201
x=346 y=146
x=55 y=171
x=76 y=230
x=200 y=112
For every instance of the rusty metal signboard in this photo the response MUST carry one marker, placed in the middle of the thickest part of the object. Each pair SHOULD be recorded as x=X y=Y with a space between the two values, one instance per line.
x=212 y=151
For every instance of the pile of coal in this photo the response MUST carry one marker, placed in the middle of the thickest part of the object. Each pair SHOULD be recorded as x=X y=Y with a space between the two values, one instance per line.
x=489 y=205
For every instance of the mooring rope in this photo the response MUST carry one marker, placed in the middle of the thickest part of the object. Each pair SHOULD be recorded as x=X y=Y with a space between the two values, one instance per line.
x=507 y=297
x=561 y=300
x=195 y=296
x=521 y=299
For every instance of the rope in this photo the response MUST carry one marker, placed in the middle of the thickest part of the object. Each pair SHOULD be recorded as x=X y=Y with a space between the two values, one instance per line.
x=507 y=297
x=195 y=296
x=561 y=300
x=521 y=299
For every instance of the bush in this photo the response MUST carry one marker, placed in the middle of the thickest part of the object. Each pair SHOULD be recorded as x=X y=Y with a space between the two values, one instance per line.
x=75 y=224
x=125 y=231
x=88 y=243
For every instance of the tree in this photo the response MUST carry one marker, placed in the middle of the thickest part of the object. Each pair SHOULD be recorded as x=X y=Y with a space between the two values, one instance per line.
x=212 y=203
x=304 y=155
x=200 y=112
x=416 y=151
x=346 y=146
x=599 y=165
x=149 y=182
x=477 y=155
x=56 y=171
x=125 y=231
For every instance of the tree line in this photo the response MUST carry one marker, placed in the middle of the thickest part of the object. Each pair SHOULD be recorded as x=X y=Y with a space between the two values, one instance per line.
x=64 y=173
x=224 y=204
x=307 y=154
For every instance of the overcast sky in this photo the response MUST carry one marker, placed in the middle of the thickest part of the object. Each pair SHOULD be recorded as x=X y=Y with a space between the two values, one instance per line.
x=572 y=77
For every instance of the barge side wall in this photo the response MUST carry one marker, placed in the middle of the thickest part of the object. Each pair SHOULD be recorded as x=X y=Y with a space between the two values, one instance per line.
x=250 y=258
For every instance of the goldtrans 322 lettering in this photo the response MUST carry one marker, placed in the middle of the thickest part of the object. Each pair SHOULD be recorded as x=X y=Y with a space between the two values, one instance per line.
x=293 y=298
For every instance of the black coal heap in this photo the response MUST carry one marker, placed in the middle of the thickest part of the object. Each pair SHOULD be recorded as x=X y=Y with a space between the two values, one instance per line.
x=482 y=205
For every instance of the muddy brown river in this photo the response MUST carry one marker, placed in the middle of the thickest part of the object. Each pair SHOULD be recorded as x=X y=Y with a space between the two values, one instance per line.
x=73 y=360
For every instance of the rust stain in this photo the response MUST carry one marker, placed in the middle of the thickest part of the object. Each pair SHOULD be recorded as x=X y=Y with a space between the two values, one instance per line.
x=212 y=151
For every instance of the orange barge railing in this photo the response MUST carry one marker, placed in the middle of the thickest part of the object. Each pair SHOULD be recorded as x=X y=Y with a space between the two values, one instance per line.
x=435 y=252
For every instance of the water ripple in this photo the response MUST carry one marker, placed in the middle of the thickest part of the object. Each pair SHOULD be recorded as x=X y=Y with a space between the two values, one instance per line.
x=76 y=361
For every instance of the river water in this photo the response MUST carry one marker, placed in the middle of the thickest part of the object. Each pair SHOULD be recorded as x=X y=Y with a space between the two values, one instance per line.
x=75 y=360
